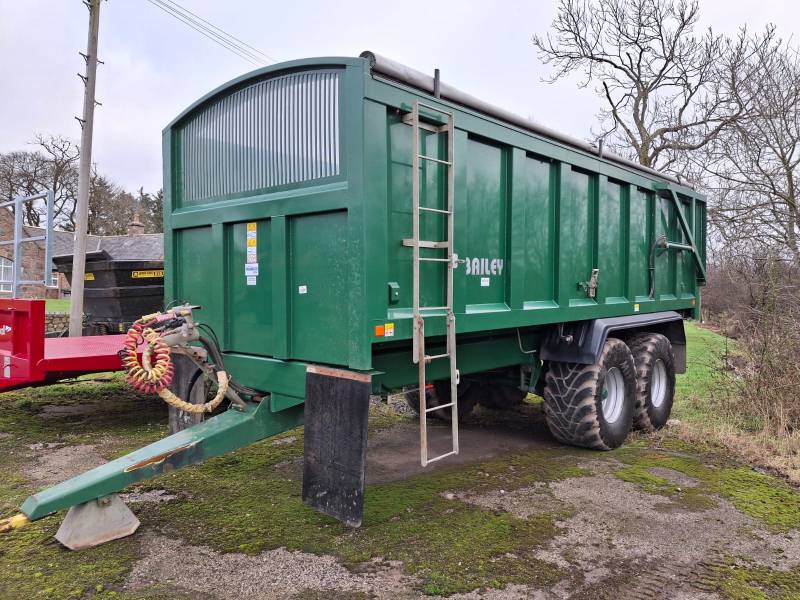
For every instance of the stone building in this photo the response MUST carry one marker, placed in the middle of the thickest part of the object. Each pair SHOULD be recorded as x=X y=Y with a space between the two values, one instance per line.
x=136 y=245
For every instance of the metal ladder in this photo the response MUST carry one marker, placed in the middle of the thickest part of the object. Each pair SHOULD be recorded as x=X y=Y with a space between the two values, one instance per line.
x=420 y=357
x=20 y=237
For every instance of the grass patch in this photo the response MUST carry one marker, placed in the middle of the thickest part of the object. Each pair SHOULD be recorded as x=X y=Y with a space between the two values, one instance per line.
x=32 y=563
x=57 y=305
x=706 y=403
x=693 y=389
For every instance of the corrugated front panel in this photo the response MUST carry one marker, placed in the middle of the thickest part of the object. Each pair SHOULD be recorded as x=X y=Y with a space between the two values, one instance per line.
x=275 y=132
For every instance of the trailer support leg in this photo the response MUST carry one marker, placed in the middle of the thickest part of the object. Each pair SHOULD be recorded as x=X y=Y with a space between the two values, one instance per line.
x=96 y=522
x=231 y=430
x=336 y=413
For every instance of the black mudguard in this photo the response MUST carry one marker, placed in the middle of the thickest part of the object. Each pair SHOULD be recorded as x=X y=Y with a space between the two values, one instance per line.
x=582 y=341
x=336 y=414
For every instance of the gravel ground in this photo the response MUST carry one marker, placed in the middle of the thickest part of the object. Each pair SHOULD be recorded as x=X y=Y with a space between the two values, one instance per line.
x=658 y=543
x=53 y=463
x=614 y=540
x=271 y=575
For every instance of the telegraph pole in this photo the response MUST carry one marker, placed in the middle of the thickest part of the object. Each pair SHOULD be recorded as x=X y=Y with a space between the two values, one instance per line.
x=84 y=173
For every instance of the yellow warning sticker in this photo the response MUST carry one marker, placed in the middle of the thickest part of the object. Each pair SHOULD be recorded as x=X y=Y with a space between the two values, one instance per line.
x=251 y=227
x=88 y=277
x=147 y=274
x=635 y=308
x=388 y=330
x=251 y=243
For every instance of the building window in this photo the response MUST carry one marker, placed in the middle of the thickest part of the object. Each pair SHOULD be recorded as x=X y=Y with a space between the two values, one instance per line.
x=53 y=279
x=6 y=274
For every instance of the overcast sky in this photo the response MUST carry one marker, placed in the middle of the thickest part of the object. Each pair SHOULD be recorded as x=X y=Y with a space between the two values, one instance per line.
x=155 y=66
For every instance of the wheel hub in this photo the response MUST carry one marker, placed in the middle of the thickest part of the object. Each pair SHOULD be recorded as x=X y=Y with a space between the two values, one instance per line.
x=658 y=384
x=613 y=395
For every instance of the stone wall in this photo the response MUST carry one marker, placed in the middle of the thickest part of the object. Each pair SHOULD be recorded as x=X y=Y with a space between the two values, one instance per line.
x=56 y=322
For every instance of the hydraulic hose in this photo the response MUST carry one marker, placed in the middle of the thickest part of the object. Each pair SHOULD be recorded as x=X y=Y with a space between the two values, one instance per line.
x=155 y=371
x=216 y=356
x=173 y=400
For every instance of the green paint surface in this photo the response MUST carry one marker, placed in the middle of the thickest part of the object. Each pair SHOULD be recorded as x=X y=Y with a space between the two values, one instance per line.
x=533 y=217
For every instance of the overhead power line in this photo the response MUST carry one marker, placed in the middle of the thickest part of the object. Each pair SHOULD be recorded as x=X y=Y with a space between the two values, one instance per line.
x=220 y=37
x=233 y=37
x=222 y=40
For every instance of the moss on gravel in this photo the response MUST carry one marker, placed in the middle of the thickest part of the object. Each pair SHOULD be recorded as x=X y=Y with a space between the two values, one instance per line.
x=690 y=498
x=33 y=565
x=14 y=488
x=762 y=497
x=251 y=500
x=740 y=579
x=115 y=416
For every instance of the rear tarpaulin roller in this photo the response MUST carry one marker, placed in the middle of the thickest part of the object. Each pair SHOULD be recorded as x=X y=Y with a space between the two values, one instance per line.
x=336 y=414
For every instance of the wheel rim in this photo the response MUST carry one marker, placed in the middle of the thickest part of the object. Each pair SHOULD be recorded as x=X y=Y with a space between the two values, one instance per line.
x=613 y=395
x=658 y=384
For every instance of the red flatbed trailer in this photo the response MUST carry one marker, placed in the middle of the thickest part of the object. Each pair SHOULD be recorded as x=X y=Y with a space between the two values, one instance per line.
x=28 y=358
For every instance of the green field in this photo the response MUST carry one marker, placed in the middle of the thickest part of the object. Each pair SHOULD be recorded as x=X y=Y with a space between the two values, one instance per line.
x=57 y=305
x=705 y=349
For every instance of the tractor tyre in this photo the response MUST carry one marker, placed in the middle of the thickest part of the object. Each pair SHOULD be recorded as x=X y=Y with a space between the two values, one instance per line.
x=500 y=397
x=655 y=380
x=188 y=384
x=592 y=405
x=439 y=394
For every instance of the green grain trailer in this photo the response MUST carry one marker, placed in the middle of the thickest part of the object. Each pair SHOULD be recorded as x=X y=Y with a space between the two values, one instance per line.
x=352 y=226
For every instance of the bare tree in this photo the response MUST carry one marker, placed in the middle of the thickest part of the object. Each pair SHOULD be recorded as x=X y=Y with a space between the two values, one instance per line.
x=61 y=157
x=52 y=166
x=658 y=79
x=755 y=164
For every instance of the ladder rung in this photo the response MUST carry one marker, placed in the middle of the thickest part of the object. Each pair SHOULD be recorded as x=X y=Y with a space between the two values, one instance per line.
x=435 y=108
x=441 y=456
x=429 y=358
x=436 y=160
x=428 y=259
x=435 y=210
x=425 y=243
x=434 y=308
x=433 y=408
x=408 y=119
